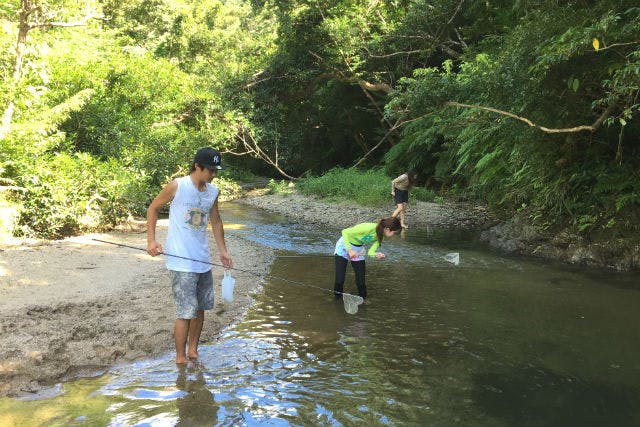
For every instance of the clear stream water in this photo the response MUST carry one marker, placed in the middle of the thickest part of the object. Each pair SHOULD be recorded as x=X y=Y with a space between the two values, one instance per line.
x=493 y=341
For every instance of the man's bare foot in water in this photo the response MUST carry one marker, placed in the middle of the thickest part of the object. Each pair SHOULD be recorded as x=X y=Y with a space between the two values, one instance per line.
x=193 y=354
x=181 y=360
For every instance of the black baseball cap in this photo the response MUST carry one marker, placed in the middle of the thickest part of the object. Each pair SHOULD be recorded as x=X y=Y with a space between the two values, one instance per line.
x=209 y=158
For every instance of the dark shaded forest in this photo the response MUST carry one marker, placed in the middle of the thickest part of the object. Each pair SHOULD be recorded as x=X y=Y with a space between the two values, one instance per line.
x=530 y=106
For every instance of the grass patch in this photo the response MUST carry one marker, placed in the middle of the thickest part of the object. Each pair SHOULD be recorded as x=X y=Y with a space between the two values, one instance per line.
x=368 y=188
x=278 y=187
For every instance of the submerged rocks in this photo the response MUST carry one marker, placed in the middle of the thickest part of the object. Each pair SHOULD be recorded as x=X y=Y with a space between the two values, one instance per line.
x=517 y=237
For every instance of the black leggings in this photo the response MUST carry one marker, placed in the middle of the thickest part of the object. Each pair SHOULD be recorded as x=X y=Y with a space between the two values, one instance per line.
x=341 y=271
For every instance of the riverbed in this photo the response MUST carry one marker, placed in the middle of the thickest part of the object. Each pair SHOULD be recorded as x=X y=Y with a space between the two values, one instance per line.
x=489 y=341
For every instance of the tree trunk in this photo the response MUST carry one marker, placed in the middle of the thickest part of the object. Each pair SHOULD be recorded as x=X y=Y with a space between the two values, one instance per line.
x=24 y=28
x=27 y=23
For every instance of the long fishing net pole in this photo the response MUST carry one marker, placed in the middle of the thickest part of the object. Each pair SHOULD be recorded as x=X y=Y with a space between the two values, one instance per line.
x=293 y=282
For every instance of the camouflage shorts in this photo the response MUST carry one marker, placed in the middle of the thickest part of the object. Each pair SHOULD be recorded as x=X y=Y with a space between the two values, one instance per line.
x=191 y=292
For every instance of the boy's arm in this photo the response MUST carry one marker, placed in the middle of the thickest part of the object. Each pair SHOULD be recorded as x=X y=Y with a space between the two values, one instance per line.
x=218 y=234
x=165 y=196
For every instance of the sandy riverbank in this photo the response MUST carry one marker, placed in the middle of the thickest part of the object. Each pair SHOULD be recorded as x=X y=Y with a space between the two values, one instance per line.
x=76 y=306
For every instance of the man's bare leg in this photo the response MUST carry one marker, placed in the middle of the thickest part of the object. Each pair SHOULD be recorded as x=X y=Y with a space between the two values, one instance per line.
x=195 y=329
x=180 y=332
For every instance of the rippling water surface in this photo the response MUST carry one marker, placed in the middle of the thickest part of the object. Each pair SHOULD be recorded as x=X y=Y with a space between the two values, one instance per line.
x=493 y=341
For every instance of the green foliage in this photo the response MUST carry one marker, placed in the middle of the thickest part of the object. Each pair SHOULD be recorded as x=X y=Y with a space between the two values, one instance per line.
x=67 y=194
x=131 y=97
x=425 y=194
x=369 y=187
x=229 y=188
x=543 y=68
x=278 y=187
x=109 y=114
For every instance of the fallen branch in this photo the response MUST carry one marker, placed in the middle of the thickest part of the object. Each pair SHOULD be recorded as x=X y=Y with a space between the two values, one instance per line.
x=12 y=188
x=80 y=23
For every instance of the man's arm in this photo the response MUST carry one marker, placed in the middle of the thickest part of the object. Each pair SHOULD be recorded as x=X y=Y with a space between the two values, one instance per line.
x=218 y=234
x=165 y=196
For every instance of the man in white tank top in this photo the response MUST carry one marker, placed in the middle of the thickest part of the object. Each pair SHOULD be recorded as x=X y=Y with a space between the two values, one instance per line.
x=194 y=204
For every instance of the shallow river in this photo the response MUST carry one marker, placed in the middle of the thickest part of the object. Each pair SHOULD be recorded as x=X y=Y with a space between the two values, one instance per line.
x=492 y=341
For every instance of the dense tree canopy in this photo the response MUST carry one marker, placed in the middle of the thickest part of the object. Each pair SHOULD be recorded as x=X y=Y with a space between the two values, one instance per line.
x=530 y=105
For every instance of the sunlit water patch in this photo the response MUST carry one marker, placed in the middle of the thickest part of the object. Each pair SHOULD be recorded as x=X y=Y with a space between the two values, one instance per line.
x=275 y=231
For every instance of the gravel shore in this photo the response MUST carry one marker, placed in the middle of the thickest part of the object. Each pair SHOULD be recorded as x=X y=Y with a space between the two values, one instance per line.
x=514 y=236
x=308 y=209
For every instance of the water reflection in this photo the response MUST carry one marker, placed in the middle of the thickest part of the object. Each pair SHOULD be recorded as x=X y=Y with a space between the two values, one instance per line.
x=275 y=231
x=197 y=407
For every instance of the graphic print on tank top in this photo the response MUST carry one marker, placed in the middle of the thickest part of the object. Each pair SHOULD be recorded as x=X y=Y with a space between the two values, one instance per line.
x=195 y=219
